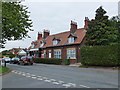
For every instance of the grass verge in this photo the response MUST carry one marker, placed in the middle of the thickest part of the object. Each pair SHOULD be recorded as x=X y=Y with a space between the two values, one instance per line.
x=4 y=70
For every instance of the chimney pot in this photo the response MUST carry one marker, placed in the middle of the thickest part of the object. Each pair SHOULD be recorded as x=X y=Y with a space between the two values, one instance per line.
x=86 y=22
x=39 y=35
x=73 y=26
x=46 y=33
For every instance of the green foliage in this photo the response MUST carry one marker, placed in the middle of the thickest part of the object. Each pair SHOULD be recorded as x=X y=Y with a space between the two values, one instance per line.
x=7 y=53
x=15 y=21
x=66 y=62
x=4 y=69
x=11 y=55
x=100 y=55
x=101 y=30
x=48 y=61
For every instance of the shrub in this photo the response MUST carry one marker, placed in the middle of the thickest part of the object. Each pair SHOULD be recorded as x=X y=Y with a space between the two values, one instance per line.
x=100 y=55
x=48 y=61
x=66 y=62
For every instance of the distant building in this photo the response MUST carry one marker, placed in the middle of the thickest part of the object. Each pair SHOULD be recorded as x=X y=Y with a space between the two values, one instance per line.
x=15 y=50
x=64 y=45
x=18 y=51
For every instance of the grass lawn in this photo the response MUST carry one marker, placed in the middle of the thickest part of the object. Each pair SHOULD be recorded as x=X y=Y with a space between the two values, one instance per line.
x=3 y=69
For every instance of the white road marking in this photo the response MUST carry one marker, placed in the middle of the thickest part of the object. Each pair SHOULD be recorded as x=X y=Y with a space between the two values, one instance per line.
x=44 y=78
x=28 y=73
x=23 y=74
x=84 y=86
x=55 y=83
x=61 y=82
x=72 y=84
x=39 y=79
x=66 y=85
x=39 y=76
x=34 y=77
x=47 y=80
x=52 y=79
x=13 y=71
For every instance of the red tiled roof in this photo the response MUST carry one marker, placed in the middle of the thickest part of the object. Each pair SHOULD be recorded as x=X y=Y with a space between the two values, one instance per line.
x=80 y=34
x=36 y=43
x=63 y=37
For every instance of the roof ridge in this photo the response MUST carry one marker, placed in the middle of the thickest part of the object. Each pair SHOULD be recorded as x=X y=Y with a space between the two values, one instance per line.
x=64 y=32
x=59 y=33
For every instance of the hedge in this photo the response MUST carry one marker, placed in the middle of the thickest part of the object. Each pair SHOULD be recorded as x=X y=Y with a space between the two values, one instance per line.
x=48 y=61
x=100 y=55
x=66 y=62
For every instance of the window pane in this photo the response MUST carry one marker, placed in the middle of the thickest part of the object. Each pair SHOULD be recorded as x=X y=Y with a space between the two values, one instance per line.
x=57 y=54
x=71 y=54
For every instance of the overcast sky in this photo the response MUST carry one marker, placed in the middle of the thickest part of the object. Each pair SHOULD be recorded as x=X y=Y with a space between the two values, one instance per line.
x=56 y=16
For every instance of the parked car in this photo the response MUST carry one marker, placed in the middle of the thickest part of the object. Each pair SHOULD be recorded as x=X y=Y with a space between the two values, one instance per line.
x=14 y=60
x=26 y=60
x=7 y=59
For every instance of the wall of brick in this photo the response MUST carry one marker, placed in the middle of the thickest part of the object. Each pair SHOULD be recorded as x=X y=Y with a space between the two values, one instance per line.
x=64 y=52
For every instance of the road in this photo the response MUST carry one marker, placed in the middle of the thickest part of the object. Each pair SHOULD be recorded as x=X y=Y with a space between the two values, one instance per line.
x=58 y=76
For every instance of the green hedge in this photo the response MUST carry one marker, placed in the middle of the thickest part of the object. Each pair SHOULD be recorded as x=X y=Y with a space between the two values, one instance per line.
x=48 y=61
x=100 y=55
x=66 y=62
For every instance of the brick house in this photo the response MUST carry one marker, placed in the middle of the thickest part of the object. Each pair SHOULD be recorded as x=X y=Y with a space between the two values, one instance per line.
x=64 y=45
x=16 y=51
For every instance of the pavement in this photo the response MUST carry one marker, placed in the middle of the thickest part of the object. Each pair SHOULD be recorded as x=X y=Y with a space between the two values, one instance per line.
x=58 y=76
x=75 y=65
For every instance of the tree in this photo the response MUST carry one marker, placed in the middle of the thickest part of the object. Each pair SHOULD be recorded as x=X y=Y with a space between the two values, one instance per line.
x=101 y=30
x=8 y=53
x=15 y=21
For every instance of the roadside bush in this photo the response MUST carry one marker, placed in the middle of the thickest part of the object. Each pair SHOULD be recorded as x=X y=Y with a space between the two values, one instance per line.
x=48 y=61
x=66 y=62
x=100 y=55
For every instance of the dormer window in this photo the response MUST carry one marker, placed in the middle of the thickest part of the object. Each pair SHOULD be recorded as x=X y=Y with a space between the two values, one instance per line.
x=71 y=39
x=42 y=43
x=55 y=42
x=32 y=45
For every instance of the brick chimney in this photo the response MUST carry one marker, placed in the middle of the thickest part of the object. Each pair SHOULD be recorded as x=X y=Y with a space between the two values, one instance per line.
x=46 y=33
x=39 y=36
x=86 y=22
x=73 y=27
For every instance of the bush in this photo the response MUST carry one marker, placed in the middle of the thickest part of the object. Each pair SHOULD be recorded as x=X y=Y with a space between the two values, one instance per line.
x=48 y=61
x=100 y=55
x=66 y=62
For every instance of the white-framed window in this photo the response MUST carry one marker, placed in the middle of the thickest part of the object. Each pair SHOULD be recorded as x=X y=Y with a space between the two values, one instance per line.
x=71 y=54
x=71 y=40
x=44 y=53
x=57 y=54
x=55 y=42
x=50 y=55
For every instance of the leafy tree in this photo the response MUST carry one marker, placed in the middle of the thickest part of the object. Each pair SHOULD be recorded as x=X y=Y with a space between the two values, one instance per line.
x=15 y=21
x=8 y=53
x=101 y=30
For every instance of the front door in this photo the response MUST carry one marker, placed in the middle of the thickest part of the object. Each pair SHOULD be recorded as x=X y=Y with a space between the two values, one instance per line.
x=49 y=54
